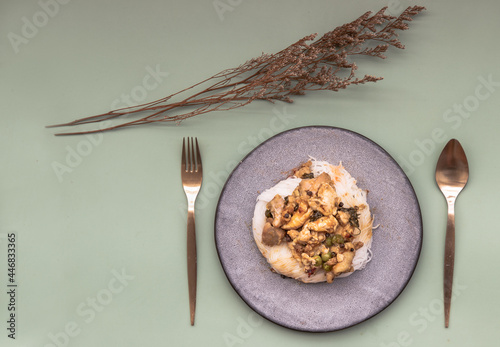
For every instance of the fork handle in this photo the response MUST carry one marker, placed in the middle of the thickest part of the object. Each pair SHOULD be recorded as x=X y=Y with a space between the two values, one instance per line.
x=449 y=261
x=191 y=261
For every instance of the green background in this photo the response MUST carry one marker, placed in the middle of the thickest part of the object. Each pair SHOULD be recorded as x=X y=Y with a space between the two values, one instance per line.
x=118 y=208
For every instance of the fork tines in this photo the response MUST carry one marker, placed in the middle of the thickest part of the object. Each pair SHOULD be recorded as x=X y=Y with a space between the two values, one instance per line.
x=191 y=159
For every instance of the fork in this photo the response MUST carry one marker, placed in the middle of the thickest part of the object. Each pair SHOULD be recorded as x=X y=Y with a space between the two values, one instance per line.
x=191 y=175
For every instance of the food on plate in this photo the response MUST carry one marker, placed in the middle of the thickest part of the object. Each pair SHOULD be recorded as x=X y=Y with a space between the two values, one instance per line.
x=315 y=225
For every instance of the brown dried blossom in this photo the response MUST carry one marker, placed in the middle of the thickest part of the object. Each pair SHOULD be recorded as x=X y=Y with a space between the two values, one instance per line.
x=299 y=68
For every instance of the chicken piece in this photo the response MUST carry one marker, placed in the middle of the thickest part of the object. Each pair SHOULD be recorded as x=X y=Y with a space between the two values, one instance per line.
x=329 y=277
x=332 y=261
x=322 y=178
x=343 y=217
x=290 y=203
x=309 y=249
x=344 y=261
x=350 y=229
x=323 y=249
x=321 y=237
x=326 y=201
x=304 y=236
x=309 y=187
x=299 y=217
x=349 y=246
x=293 y=234
x=335 y=249
x=304 y=169
x=313 y=245
x=276 y=206
x=345 y=231
x=324 y=224
x=272 y=236
x=303 y=190
x=296 y=248
x=307 y=260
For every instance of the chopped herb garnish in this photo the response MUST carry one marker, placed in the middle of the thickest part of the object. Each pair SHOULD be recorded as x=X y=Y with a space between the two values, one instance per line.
x=307 y=175
x=353 y=215
x=269 y=214
x=316 y=215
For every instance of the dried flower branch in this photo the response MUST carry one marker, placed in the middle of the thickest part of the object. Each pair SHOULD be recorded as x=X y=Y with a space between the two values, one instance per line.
x=299 y=68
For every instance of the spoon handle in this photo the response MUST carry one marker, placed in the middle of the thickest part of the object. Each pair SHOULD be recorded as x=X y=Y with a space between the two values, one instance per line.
x=449 y=260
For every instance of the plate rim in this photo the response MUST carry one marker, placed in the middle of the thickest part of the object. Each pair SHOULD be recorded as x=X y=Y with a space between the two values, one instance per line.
x=406 y=178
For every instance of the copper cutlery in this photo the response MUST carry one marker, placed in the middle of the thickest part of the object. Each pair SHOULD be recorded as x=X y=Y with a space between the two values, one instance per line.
x=191 y=175
x=452 y=174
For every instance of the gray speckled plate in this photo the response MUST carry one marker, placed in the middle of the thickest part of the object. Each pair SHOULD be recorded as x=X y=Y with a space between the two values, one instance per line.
x=348 y=301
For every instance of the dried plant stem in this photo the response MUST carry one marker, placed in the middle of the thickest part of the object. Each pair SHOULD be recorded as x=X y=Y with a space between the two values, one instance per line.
x=302 y=67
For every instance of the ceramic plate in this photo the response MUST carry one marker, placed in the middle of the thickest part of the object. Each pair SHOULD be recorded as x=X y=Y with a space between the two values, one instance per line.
x=320 y=307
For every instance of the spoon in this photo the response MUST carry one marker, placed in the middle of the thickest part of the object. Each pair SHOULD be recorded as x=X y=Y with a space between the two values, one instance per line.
x=452 y=173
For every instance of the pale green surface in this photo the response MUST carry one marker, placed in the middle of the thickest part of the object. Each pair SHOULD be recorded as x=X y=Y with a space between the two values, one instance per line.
x=120 y=209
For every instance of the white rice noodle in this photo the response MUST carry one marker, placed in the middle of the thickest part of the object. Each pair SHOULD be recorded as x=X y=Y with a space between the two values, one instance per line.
x=280 y=256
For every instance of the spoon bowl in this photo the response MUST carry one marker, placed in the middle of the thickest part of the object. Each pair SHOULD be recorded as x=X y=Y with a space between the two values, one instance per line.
x=452 y=170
